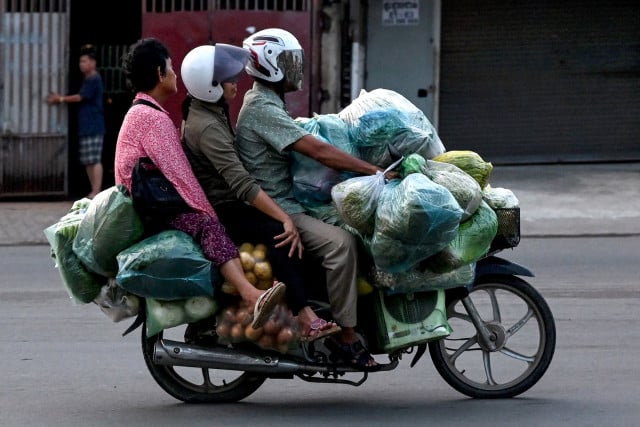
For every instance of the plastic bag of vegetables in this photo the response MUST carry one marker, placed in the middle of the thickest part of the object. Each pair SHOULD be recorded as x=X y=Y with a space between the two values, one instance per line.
x=462 y=186
x=356 y=199
x=312 y=181
x=472 y=242
x=500 y=198
x=167 y=266
x=109 y=226
x=382 y=99
x=81 y=284
x=415 y=219
x=168 y=314
x=416 y=280
x=117 y=303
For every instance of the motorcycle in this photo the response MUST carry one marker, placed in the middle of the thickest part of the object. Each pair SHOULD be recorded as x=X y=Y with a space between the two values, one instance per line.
x=494 y=338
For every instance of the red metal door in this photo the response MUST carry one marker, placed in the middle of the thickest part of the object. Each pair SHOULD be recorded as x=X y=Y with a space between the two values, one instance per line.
x=217 y=21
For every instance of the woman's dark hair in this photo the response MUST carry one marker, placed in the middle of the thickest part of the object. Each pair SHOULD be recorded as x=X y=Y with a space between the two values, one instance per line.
x=141 y=64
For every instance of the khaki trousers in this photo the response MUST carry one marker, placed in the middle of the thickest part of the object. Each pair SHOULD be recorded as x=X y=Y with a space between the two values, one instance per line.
x=338 y=251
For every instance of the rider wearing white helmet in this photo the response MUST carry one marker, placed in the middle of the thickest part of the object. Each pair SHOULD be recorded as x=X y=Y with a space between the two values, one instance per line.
x=247 y=213
x=276 y=56
x=266 y=135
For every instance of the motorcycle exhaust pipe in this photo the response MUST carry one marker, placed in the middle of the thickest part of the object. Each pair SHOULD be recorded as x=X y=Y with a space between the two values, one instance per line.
x=174 y=353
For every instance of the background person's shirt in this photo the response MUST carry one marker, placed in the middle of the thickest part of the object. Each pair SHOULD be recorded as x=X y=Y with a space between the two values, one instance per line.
x=90 y=109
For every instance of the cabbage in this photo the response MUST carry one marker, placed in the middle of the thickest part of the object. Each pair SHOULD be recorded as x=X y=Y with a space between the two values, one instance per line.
x=470 y=162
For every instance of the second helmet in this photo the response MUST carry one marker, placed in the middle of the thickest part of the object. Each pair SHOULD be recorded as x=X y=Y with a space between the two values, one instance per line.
x=205 y=68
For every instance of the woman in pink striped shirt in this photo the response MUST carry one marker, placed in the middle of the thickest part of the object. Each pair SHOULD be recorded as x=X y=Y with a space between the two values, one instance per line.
x=150 y=132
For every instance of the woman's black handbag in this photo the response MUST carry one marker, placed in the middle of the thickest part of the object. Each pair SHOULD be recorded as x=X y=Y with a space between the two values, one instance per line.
x=153 y=194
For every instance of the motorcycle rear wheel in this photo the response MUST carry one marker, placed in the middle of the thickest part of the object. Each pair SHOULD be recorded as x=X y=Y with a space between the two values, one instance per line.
x=198 y=385
x=525 y=337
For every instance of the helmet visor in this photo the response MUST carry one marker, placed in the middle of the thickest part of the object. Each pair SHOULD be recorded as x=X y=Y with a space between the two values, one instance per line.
x=228 y=62
x=291 y=62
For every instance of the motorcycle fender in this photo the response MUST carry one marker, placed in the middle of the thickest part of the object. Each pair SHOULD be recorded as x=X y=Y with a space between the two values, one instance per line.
x=494 y=265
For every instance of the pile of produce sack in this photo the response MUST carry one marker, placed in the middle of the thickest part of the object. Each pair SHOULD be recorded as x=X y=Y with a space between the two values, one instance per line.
x=81 y=284
x=109 y=226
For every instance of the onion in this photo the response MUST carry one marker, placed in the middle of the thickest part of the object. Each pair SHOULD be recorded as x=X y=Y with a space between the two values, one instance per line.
x=259 y=255
x=243 y=316
x=251 y=277
x=223 y=330
x=229 y=315
x=247 y=261
x=237 y=331
x=285 y=336
x=253 y=334
x=201 y=307
x=271 y=327
x=266 y=341
x=263 y=270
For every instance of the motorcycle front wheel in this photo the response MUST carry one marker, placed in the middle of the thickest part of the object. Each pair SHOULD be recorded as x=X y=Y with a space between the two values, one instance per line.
x=523 y=335
x=197 y=385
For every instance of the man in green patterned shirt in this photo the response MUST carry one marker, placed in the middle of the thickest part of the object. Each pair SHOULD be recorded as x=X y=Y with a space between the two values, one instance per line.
x=266 y=137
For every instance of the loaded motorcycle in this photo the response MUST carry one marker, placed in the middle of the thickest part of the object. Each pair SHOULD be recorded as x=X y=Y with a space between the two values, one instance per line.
x=492 y=338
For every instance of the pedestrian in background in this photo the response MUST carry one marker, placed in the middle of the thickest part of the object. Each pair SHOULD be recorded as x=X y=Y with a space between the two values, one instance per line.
x=91 y=123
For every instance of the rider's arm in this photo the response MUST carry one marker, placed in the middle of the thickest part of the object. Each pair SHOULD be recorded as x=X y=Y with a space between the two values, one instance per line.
x=332 y=156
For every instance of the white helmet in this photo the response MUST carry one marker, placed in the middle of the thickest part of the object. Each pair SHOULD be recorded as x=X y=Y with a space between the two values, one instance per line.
x=205 y=68
x=275 y=55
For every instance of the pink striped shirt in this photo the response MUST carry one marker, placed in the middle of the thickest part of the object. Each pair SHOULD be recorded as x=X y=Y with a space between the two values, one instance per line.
x=147 y=132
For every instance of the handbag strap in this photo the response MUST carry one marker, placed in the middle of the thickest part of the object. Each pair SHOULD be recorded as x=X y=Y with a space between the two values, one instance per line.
x=147 y=103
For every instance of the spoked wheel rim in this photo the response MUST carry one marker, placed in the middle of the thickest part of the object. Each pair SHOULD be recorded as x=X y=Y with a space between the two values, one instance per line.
x=521 y=346
x=197 y=385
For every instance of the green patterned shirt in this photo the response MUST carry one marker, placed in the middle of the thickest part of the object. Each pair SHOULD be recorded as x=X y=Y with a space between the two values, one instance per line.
x=264 y=133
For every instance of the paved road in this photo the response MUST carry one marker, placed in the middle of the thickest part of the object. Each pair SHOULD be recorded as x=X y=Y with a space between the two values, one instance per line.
x=68 y=366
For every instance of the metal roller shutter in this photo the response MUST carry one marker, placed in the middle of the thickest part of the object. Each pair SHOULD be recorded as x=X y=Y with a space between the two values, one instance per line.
x=541 y=81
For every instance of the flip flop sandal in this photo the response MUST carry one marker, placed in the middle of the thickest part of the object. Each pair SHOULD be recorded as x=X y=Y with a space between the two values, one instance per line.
x=317 y=326
x=266 y=303
x=354 y=354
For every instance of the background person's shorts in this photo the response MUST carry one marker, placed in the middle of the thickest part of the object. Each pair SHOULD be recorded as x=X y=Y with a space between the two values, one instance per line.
x=90 y=149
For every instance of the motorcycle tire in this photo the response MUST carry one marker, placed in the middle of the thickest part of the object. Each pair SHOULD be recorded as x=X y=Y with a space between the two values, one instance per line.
x=199 y=385
x=525 y=336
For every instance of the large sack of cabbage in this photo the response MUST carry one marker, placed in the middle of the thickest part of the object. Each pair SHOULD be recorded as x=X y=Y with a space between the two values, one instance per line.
x=81 y=284
x=470 y=162
x=382 y=136
x=384 y=124
x=312 y=181
x=500 y=198
x=415 y=218
x=472 y=242
x=109 y=226
x=383 y=99
x=168 y=314
x=356 y=200
x=415 y=280
x=167 y=266
x=462 y=186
